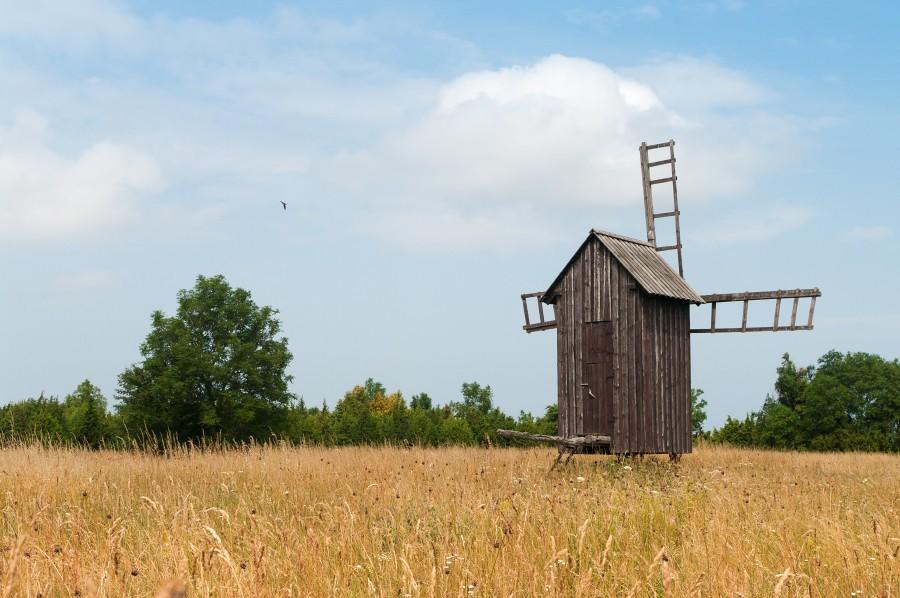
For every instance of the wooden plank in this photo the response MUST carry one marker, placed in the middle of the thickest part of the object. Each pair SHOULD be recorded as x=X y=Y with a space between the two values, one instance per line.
x=777 y=313
x=661 y=162
x=648 y=195
x=744 y=321
x=571 y=382
x=640 y=370
x=668 y=247
x=794 y=313
x=561 y=405
x=760 y=295
x=686 y=340
x=613 y=291
x=525 y=307
x=812 y=308
x=668 y=179
x=749 y=329
x=712 y=318
x=578 y=349
x=675 y=208
x=548 y=325
x=569 y=441
x=659 y=145
x=665 y=214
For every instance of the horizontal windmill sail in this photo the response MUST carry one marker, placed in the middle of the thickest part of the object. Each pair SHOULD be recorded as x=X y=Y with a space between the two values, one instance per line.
x=795 y=295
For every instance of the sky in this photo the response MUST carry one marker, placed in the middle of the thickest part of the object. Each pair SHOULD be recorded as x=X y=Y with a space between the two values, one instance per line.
x=437 y=161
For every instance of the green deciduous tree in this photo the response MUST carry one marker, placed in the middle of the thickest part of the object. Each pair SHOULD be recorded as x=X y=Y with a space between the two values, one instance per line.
x=849 y=401
x=85 y=415
x=698 y=412
x=217 y=367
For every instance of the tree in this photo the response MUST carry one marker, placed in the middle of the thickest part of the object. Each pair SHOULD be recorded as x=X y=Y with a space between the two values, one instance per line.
x=849 y=401
x=85 y=414
x=791 y=382
x=478 y=411
x=698 y=412
x=215 y=368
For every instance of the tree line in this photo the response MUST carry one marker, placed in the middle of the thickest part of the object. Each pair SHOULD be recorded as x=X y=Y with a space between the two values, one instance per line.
x=847 y=402
x=366 y=414
x=217 y=370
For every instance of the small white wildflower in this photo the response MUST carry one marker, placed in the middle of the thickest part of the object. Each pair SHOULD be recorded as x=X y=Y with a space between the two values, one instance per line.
x=627 y=468
x=579 y=479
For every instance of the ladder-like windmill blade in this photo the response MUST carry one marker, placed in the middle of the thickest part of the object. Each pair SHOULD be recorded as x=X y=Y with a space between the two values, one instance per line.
x=796 y=295
x=648 y=181
x=543 y=323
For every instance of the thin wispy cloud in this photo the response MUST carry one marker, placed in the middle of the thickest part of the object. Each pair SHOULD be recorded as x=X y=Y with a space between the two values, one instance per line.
x=869 y=233
x=743 y=226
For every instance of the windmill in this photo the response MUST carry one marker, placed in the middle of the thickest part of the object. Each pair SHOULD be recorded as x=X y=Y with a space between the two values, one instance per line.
x=622 y=320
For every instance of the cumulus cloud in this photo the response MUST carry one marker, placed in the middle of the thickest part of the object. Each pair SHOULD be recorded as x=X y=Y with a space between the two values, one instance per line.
x=564 y=132
x=45 y=194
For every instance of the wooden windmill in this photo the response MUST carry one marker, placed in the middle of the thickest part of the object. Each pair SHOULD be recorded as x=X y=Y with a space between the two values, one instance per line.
x=622 y=320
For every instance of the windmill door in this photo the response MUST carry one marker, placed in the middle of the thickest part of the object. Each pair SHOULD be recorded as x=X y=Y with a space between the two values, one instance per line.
x=597 y=386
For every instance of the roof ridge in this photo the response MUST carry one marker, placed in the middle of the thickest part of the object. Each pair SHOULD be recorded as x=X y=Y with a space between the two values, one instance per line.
x=604 y=233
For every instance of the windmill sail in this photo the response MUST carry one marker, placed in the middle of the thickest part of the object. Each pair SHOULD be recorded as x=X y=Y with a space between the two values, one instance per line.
x=649 y=212
x=796 y=295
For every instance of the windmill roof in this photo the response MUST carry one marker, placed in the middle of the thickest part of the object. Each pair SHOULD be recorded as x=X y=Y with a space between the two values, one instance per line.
x=643 y=262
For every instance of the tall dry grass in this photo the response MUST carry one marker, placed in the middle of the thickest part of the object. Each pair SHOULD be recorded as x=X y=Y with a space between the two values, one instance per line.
x=272 y=520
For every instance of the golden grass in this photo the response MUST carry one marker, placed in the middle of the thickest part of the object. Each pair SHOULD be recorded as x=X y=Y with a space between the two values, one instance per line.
x=272 y=521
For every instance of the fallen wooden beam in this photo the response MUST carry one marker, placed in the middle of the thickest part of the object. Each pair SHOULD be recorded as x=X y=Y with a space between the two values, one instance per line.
x=571 y=442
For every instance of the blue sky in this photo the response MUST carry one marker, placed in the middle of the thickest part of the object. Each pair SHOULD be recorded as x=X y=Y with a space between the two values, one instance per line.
x=437 y=161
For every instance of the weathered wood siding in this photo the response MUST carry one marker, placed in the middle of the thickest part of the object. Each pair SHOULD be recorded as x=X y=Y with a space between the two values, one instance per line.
x=650 y=358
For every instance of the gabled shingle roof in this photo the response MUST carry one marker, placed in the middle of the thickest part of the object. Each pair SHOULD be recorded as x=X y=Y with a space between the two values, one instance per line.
x=644 y=263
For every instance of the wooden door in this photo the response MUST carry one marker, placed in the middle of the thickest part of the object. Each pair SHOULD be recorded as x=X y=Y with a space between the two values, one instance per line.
x=597 y=386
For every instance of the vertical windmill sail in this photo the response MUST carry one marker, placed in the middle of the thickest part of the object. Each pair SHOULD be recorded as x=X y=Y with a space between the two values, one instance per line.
x=649 y=213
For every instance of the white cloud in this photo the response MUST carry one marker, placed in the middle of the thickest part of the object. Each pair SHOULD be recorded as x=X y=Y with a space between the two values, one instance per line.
x=563 y=134
x=692 y=84
x=76 y=25
x=869 y=233
x=47 y=195
x=317 y=109
x=438 y=229
x=751 y=226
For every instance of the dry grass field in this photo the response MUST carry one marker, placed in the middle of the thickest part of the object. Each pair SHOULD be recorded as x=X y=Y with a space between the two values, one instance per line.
x=270 y=521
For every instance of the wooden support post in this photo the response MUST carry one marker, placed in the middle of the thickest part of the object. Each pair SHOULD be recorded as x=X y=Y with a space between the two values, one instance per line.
x=777 y=313
x=812 y=308
x=525 y=307
x=794 y=313
x=744 y=321
x=712 y=319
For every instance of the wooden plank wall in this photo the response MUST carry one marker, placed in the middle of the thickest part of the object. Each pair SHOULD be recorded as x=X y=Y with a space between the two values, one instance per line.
x=652 y=388
x=651 y=365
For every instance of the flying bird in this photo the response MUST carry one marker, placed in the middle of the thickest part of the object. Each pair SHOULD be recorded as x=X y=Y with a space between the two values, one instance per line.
x=283 y=205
